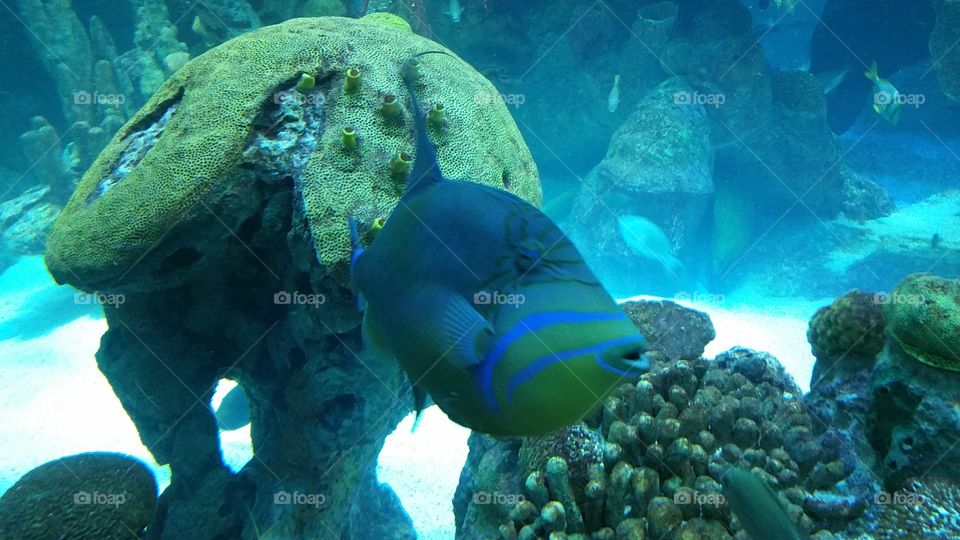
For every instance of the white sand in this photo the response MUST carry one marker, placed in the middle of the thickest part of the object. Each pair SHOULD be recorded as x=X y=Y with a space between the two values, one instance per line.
x=55 y=402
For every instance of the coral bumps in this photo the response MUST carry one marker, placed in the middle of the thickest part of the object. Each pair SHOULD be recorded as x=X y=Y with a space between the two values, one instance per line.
x=653 y=462
x=188 y=156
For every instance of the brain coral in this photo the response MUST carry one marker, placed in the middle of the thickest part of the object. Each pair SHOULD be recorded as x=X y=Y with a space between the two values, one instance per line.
x=852 y=326
x=190 y=159
x=923 y=316
x=96 y=495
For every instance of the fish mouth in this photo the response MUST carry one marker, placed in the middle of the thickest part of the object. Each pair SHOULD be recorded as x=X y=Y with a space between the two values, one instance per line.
x=628 y=357
x=636 y=360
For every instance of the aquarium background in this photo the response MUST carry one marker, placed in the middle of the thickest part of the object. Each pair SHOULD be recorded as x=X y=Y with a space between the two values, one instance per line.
x=755 y=161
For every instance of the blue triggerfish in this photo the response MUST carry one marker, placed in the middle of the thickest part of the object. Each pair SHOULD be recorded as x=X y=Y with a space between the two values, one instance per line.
x=757 y=507
x=488 y=306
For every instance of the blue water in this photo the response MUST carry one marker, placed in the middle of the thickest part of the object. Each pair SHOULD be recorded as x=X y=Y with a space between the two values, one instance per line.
x=771 y=175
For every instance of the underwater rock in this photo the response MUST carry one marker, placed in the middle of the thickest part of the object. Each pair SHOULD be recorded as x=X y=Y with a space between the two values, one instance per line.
x=659 y=165
x=676 y=331
x=25 y=221
x=664 y=459
x=912 y=414
x=219 y=214
x=93 y=495
x=943 y=38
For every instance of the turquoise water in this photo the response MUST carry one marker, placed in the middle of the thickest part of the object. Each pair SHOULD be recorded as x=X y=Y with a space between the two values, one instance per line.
x=187 y=192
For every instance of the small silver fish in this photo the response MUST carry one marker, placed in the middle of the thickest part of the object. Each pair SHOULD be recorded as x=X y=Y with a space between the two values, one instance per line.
x=649 y=241
x=613 y=100
x=455 y=11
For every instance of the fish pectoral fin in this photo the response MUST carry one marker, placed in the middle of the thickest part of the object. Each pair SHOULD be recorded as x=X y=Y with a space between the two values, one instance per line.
x=467 y=331
x=372 y=339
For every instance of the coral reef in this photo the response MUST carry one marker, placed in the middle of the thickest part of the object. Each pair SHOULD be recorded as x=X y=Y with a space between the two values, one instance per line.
x=232 y=91
x=896 y=412
x=928 y=508
x=95 y=495
x=923 y=316
x=650 y=463
x=851 y=329
x=219 y=212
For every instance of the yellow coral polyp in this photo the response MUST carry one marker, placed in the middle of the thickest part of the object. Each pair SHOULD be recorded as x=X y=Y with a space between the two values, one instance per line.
x=349 y=138
x=352 y=82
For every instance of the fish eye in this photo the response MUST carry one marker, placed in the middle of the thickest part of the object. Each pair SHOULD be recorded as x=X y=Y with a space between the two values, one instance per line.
x=632 y=355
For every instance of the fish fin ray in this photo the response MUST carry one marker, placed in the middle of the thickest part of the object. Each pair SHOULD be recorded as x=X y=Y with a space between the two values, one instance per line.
x=468 y=330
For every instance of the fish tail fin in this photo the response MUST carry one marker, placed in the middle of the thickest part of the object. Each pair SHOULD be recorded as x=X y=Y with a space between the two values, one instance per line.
x=872 y=72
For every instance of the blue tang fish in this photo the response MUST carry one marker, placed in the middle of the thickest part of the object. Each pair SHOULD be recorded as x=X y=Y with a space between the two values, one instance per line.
x=488 y=306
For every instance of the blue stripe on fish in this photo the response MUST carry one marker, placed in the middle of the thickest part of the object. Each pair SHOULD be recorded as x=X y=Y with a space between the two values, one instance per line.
x=544 y=362
x=528 y=324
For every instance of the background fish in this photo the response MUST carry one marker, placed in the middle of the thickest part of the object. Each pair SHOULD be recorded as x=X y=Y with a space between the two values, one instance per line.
x=613 y=100
x=886 y=97
x=757 y=507
x=454 y=10
x=648 y=241
x=488 y=307
x=234 y=410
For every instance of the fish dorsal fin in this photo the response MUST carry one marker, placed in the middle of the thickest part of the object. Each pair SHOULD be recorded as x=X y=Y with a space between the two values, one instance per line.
x=426 y=168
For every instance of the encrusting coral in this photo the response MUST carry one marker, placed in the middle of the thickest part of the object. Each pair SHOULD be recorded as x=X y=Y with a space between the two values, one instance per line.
x=161 y=172
x=923 y=316
x=99 y=495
